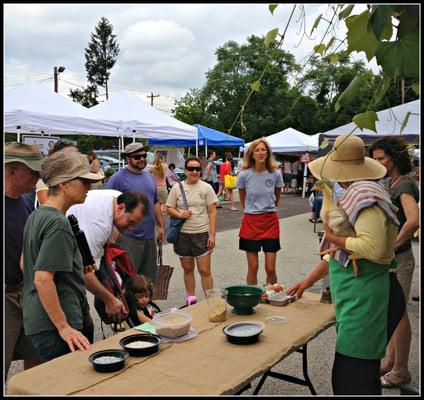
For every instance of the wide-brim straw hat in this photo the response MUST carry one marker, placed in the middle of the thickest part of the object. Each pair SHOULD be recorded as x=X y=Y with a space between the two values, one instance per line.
x=347 y=162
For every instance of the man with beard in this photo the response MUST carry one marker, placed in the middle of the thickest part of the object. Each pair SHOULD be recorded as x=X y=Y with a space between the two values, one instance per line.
x=140 y=243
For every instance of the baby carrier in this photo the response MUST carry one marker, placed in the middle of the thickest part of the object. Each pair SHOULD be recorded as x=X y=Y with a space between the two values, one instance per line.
x=115 y=270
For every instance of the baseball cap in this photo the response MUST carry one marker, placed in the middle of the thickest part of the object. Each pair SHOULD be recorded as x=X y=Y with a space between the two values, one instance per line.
x=27 y=154
x=133 y=147
x=62 y=167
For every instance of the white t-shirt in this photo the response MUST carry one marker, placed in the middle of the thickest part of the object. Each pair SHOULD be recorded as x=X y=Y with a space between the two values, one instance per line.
x=95 y=218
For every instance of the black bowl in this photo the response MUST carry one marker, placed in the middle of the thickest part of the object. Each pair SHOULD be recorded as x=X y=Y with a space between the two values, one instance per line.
x=243 y=332
x=115 y=364
x=244 y=297
x=143 y=337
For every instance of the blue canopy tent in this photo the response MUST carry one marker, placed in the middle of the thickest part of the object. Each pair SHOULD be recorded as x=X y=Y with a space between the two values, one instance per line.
x=205 y=136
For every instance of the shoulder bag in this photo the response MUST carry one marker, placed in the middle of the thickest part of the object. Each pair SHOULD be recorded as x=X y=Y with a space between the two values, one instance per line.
x=175 y=224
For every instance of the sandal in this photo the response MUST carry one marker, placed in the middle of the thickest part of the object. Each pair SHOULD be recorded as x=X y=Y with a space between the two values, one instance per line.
x=404 y=379
x=385 y=367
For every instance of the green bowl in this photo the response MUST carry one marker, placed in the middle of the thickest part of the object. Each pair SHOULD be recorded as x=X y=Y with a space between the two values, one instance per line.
x=243 y=298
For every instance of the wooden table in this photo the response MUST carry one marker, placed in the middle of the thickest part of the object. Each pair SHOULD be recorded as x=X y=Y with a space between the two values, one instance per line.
x=205 y=365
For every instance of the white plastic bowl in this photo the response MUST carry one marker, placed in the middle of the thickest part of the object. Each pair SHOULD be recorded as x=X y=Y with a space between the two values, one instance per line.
x=172 y=323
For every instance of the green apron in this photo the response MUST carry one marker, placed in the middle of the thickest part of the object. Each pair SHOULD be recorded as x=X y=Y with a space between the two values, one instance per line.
x=361 y=306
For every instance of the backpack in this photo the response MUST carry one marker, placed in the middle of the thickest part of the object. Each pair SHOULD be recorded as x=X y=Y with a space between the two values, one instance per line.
x=115 y=270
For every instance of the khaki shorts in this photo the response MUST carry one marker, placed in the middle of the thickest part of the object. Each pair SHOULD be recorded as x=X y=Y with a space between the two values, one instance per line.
x=163 y=194
x=192 y=245
x=16 y=346
x=405 y=270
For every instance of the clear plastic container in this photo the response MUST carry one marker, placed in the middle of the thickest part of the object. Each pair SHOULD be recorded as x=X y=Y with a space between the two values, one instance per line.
x=172 y=323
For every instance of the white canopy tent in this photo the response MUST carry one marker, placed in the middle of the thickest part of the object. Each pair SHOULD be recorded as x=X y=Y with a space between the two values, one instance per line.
x=34 y=108
x=290 y=141
x=389 y=122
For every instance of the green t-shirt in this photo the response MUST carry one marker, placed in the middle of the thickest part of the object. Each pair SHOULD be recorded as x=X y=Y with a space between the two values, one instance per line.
x=50 y=245
x=409 y=186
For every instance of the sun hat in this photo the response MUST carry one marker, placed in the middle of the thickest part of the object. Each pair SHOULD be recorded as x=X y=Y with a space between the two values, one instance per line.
x=133 y=147
x=62 y=167
x=347 y=162
x=27 y=154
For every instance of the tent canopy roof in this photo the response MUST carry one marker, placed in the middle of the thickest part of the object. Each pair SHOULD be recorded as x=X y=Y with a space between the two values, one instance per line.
x=206 y=136
x=139 y=119
x=290 y=140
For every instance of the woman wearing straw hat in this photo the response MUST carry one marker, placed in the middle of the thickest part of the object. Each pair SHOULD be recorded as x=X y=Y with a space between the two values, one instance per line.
x=55 y=308
x=369 y=304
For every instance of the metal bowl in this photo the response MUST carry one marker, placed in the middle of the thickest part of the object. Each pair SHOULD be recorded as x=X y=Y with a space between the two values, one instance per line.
x=244 y=332
x=108 y=360
x=244 y=297
x=128 y=343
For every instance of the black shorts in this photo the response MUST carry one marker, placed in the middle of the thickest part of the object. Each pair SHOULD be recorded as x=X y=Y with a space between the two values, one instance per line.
x=254 y=246
x=192 y=244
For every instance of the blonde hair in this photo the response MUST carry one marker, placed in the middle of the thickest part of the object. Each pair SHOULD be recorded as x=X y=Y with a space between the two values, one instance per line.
x=249 y=162
x=157 y=167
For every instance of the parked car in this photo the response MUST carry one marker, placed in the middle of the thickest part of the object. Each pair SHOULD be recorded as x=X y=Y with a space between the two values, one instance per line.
x=110 y=157
x=109 y=162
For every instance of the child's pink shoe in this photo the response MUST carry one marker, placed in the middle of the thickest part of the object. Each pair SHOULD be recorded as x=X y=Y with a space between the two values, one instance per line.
x=191 y=300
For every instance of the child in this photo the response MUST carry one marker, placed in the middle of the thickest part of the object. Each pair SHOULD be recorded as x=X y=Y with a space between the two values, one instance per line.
x=139 y=291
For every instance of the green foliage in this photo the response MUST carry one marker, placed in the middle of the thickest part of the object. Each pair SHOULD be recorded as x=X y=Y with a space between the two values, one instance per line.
x=101 y=54
x=87 y=96
x=366 y=120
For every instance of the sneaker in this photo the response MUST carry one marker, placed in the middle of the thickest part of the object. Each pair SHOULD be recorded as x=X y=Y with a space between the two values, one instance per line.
x=191 y=300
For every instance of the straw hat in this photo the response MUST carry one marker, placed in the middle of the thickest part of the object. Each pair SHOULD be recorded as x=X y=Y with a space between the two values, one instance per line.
x=347 y=163
x=27 y=154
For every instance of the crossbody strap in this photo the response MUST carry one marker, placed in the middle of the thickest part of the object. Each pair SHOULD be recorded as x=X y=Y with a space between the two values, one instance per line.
x=183 y=194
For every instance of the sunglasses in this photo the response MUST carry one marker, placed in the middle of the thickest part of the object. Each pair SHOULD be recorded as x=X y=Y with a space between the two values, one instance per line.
x=139 y=156
x=193 y=169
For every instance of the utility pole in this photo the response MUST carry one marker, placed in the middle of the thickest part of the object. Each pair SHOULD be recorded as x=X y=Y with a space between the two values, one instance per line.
x=56 y=72
x=151 y=97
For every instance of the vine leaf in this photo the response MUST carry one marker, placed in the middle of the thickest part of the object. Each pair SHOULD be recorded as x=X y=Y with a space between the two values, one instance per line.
x=270 y=37
x=349 y=93
x=316 y=23
x=400 y=58
x=346 y=12
x=359 y=36
x=381 y=22
x=334 y=58
x=416 y=88
x=366 y=120
x=404 y=122
x=255 y=86
x=325 y=143
x=319 y=48
x=272 y=7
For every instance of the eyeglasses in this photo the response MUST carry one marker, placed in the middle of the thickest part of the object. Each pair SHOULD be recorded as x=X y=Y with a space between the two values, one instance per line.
x=193 y=169
x=138 y=156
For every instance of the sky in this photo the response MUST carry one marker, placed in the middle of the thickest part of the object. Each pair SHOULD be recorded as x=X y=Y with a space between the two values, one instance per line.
x=166 y=49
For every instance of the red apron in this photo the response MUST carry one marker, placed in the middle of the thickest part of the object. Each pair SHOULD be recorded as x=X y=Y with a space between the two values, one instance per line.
x=260 y=226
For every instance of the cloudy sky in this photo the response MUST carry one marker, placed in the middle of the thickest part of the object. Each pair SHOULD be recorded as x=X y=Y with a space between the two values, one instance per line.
x=165 y=48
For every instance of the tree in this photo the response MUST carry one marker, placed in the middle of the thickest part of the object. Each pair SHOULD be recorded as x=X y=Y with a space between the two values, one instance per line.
x=87 y=96
x=101 y=54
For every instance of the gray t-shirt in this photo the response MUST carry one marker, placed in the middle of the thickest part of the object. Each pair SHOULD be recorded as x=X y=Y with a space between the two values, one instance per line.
x=260 y=190
x=213 y=175
x=50 y=245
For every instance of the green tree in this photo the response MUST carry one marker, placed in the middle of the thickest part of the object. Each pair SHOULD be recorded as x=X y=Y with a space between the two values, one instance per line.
x=87 y=96
x=101 y=54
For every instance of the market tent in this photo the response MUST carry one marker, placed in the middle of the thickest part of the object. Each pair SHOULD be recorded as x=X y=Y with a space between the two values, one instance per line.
x=389 y=123
x=140 y=120
x=34 y=108
x=290 y=141
x=206 y=136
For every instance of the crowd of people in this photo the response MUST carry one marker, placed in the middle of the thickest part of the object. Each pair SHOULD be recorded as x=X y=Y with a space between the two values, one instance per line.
x=46 y=309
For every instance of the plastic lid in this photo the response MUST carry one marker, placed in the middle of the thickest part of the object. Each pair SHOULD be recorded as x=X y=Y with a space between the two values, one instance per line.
x=276 y=319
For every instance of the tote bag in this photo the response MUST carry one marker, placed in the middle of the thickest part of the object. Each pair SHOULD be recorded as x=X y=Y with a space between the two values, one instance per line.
x=175 y=224
x=230 y=181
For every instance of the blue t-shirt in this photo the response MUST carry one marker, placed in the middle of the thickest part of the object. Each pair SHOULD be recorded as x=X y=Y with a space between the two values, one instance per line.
x=16 y=213
x=143 y=182
x=260 y=190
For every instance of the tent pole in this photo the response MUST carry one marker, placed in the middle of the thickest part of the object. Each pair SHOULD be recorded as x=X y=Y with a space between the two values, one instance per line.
x=305 y=172
x=18 y=135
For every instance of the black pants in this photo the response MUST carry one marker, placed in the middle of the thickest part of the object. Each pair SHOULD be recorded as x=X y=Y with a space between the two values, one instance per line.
x=356 y=376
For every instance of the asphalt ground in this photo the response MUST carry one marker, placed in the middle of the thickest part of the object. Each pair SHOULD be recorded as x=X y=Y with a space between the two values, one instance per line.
x=295 y=260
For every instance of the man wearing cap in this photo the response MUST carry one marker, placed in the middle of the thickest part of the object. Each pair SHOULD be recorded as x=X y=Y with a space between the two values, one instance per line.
x=22 y=167
x=55 y=308
x=140 y=243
